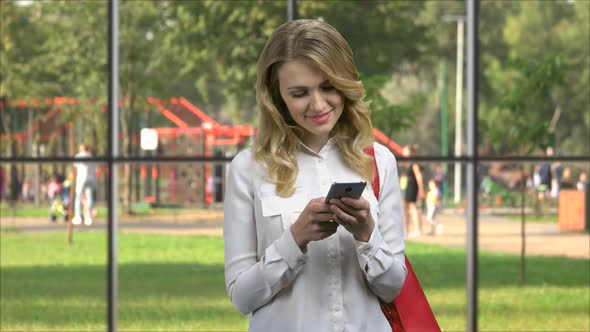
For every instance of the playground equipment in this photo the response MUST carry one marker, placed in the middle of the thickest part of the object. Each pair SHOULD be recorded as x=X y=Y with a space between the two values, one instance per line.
x=192 y=132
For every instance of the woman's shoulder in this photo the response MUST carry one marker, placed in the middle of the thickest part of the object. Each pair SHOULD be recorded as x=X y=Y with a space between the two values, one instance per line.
x=382 y=152
x=244 y=157
x=245 y=166
x=246 y=161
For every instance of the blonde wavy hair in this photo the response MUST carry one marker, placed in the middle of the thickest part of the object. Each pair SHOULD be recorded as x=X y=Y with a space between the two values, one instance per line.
x=278 y=139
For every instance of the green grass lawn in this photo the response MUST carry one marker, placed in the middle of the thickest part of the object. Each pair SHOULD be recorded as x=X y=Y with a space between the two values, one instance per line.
x=176 y=283
x=548 y=218
x=137 y=209
x=31 y=210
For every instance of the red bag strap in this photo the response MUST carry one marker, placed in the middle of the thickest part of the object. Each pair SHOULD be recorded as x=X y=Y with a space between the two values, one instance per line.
x=412 y=306
x=410 y=311
x=370 y=150
x=389 y=309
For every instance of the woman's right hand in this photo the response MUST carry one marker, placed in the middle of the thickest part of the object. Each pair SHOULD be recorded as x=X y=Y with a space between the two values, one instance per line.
x=315 y=223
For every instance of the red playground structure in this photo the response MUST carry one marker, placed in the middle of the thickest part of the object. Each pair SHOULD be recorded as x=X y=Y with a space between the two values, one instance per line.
x=191 y=132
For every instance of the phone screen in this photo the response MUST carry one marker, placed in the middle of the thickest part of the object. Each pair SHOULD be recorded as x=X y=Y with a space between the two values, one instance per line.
x=346 y=189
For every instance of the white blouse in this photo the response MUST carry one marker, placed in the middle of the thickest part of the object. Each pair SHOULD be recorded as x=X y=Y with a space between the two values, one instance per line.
x=332 y=287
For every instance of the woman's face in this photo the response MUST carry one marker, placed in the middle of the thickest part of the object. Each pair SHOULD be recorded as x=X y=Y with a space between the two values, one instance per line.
x=313 y=103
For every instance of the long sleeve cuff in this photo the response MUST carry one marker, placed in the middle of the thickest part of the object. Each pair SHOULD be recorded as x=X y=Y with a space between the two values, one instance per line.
x=367 y=250
x=290 y=251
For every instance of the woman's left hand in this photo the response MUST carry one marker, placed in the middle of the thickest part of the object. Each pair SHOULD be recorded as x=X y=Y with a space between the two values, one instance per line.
x=355 y=216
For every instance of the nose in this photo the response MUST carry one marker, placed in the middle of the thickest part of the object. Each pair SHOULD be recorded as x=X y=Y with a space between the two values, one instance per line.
x=318 y=101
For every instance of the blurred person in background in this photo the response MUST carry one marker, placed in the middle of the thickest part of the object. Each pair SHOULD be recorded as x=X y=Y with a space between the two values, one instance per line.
x=27 y=194
x=545 y=176
x=439 y=177
x=282 y=241
x=432 y=203
x=567 y=181
x=414 y=191
x=556 y=178
x=403 y=184
x=53 y=188
x=582 y=184
x=85 y=187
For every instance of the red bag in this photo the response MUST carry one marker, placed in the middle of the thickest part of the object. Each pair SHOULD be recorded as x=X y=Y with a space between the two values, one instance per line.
x=410 y=311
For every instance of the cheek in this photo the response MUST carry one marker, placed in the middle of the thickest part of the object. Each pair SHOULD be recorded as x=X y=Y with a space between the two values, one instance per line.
x=337 y=100
x=295 y=107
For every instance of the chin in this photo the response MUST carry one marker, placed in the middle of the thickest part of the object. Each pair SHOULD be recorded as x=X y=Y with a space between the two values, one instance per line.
x=322 y=132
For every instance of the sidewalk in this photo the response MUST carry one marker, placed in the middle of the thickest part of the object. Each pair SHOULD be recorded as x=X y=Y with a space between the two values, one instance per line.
x=209 y=223
x=495 y=233
x=503 y=235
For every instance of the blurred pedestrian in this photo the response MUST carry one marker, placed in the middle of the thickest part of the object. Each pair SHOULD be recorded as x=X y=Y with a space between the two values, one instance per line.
x=85 y=187
x=432 y=206
x=439 y=177
x=582 y=184
x=53 y=188
x=27 y=194
x=414 y=192
x=545 y=176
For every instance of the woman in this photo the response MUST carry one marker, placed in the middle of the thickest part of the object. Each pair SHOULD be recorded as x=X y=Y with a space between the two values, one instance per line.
x=292 y=261
x=414 y=191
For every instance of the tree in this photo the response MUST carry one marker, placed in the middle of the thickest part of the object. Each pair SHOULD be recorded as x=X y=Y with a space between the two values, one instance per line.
x=388 y=116
x=215 y=45
x=207 y=51
x=521 y=111
x=387 y=45
x=535 y=29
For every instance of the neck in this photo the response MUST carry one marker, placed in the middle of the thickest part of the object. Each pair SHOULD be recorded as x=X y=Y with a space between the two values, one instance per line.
x=314 y=142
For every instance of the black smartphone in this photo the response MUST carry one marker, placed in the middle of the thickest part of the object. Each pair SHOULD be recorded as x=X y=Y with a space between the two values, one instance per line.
x=346 y=189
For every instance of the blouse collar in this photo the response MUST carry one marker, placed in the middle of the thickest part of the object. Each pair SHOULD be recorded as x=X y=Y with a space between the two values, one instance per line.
x=330 y=145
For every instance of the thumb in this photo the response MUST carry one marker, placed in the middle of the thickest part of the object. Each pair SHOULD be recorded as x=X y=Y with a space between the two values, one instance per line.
x=318 y=200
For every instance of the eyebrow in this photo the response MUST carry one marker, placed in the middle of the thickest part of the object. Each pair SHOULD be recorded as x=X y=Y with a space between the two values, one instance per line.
x=305 y=87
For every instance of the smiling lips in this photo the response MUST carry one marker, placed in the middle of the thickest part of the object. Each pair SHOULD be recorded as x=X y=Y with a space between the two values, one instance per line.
x=320 y=118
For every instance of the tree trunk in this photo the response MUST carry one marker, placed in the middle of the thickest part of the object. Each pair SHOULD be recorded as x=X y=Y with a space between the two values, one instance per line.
x=10 y=152
x=125 y=114
x=6 y=122
x=125 y=144
x=127 y=148
x=523 y=178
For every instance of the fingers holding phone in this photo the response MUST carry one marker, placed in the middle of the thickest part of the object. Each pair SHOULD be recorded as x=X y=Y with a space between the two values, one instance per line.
x=345 y=189
x=315 y=223
x=355 y=216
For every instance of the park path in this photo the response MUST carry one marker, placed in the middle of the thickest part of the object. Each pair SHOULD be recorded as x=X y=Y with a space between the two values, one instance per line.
x=499 y=234
x=496 y=234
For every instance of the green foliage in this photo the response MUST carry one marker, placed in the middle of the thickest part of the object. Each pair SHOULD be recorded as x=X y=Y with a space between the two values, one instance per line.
x=523 y=106
x=215 y=45
x=545 y=52
x=387 y=116
x=206 y=51
x=386 y=37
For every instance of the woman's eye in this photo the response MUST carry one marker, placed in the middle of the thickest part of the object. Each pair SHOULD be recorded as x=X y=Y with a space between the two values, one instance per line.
x=328 y=88
x=299 y=94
